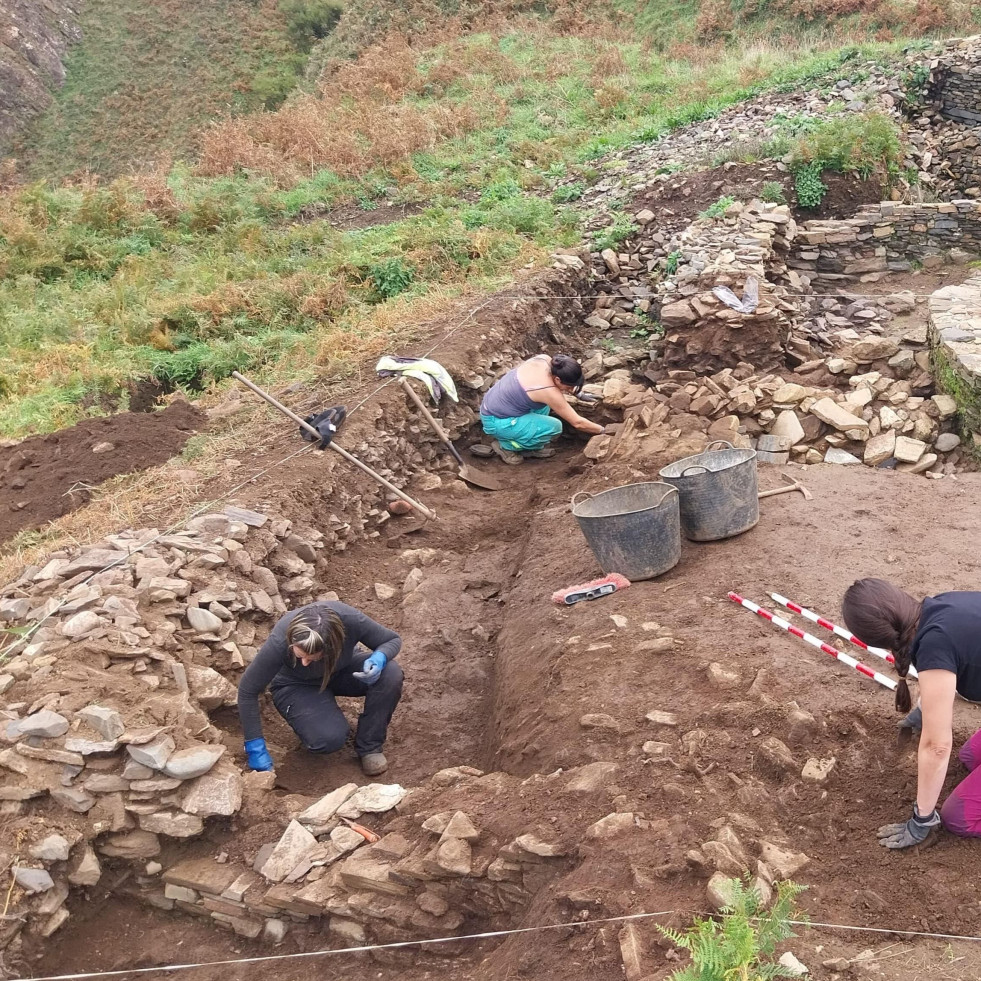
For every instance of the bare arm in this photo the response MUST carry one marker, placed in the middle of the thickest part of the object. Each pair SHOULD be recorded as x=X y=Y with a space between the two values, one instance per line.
x=555 y=400
x=937 y=690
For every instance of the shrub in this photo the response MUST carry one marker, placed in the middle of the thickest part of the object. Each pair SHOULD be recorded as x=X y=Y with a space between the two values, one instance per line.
x=568 y=192
x=671 y=265
x=741 y=943
x=307 y=21
x=772 y=193
x=808 y=185
x=719 y=208
x=525 y=215
x=620 y=230
x=390 y=277
x=865 y=143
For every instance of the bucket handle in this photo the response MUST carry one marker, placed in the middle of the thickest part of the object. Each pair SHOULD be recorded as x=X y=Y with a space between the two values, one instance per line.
x=694 y=466
x=724 y=442
x=575 y=503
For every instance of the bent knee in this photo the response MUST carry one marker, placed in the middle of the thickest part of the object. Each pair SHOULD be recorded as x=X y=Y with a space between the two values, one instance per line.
x=553 y=425
x=392 y=677
x=961 y=817
x=327 y=742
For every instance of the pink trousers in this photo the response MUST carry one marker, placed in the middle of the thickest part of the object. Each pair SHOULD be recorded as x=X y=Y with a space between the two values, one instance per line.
x=961 y=812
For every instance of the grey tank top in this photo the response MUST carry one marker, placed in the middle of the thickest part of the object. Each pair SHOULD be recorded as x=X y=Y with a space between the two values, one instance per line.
x=507 y=398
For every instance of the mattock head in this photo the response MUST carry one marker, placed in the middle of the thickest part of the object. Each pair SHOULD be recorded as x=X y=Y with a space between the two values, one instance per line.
x=797 y=485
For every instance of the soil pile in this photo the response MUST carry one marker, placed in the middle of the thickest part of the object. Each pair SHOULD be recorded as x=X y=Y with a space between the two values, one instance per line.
x=44 y=477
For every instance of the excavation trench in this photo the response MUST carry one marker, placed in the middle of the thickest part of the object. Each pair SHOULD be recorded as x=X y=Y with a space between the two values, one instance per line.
x=645 y=740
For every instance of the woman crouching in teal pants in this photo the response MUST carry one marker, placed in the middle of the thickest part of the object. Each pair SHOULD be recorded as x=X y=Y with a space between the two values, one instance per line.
x=515 y=412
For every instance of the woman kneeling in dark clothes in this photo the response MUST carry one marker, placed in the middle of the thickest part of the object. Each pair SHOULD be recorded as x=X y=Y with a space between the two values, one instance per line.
x=309 y=658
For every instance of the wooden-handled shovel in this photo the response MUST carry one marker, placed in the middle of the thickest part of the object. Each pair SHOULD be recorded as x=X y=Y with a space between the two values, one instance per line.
x=467 y=473
x=350 y=457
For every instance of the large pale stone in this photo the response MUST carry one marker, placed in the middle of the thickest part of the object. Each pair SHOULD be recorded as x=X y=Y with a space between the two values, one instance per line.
x=106 y=721
x=375 y=798
x=131 y=844
x=454 y=856
x=834 y=415
x=218 y=792
x=909 y=450
x=783 y=863
x=46 y=724
x=209 y=687
x=32 y=880
x=81 y=625
x=321 y=815
x=291 y=849
x=722 y=890
x=186 y=764
x=174 y=824
x=203 y=621
x=86 y=870
x=53 y=848
x=153 y=754
x=787 y=424
x=880 y=448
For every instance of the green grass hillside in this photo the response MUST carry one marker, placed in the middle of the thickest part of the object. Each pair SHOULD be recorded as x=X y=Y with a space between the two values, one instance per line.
x=147 y=77
x=212 y=265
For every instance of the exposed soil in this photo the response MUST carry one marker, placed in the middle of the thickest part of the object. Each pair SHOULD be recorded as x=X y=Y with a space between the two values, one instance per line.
x=44 y=477
x=680 y=199
x=525 y=689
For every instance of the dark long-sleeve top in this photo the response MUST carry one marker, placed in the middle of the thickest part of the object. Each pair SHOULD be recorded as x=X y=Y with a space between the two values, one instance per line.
x=275 y=664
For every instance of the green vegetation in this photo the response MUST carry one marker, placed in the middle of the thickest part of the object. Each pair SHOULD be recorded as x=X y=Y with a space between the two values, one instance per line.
x=194 y=271
x=671 y=264
x=718 y=208
x=864 y=144
x=146 y=77
x=772 y=193
x=740 y=944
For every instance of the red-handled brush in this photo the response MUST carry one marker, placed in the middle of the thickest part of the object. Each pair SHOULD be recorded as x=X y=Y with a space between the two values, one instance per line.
x=590 y=590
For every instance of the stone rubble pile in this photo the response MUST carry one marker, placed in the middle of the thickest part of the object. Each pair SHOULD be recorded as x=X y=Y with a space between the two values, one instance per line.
x=428 y=871
x=107 y=745
x=871 y=402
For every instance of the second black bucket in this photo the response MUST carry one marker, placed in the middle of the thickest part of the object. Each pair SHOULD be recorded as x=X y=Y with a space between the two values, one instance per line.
x=718 y=490
x=634 y=530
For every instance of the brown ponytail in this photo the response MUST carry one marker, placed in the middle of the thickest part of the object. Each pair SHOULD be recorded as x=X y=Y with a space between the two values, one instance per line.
x=883 y=615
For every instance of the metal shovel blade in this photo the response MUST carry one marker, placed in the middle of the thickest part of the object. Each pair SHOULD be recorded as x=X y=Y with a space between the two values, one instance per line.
x=480 y=479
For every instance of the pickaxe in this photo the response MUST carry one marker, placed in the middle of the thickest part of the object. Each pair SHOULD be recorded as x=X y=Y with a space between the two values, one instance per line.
x=792 y=485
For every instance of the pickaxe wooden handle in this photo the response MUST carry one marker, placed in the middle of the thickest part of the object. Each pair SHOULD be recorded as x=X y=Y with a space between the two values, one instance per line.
x=792 y=485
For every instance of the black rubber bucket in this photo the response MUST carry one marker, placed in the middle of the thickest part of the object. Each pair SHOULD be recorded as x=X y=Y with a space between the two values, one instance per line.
x=634 y=530
x=718 y=491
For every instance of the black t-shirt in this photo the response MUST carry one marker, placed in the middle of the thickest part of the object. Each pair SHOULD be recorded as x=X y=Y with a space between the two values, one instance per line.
x=949 y=639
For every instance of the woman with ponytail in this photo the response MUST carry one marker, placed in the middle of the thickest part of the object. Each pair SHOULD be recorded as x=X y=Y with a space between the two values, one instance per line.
x=309 y=657
x=941 y=638
x=515 y=412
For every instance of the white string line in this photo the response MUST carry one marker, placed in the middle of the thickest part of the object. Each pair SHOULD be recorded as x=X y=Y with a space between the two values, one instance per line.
x=267 y=958
x=139 y=548
x=536 y=296
x=223 y=499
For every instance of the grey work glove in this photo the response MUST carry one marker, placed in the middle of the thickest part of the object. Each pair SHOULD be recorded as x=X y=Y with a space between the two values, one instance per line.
x=908 y=833
x=907 y=725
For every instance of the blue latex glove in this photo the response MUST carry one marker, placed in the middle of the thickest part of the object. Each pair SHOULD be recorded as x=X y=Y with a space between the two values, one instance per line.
x=259 y=758
x=372 y=668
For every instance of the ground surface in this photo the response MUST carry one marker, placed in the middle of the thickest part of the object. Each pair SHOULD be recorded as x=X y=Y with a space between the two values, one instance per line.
x=514 y=703
x=44 y=477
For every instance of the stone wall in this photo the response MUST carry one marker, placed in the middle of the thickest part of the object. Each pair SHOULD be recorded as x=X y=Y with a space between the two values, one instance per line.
x=955 y=336
x=885 y=238
x=955 y=81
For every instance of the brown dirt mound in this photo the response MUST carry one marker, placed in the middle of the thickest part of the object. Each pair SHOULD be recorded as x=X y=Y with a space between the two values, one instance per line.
x=45 y=477
x=681 y=198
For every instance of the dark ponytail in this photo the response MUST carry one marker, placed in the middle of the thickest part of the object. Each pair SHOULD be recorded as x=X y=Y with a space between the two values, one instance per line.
x=883 y=615
x=568 y=371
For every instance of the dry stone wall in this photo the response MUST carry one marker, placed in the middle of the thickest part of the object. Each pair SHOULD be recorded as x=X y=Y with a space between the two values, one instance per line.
x=955 y=335
x=955 y=81
x=887 y=237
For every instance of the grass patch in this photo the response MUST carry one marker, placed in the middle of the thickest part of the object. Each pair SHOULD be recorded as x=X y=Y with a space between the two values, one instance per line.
x=189 y=273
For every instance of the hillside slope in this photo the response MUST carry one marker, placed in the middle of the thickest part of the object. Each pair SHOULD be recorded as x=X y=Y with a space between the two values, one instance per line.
x=144 y=78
